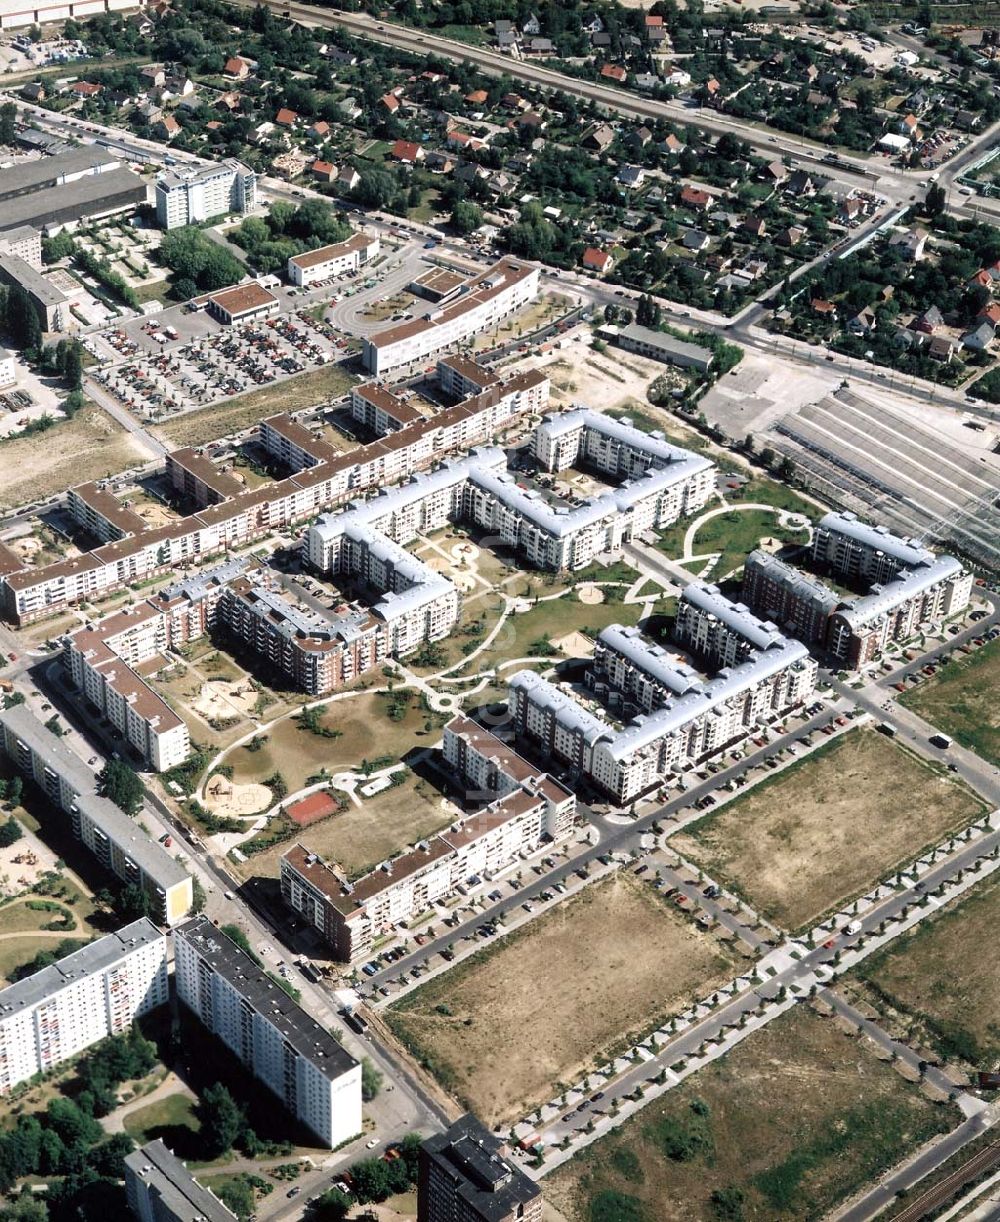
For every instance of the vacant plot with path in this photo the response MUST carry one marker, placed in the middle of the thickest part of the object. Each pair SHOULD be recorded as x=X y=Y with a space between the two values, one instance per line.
x=504 y=1028
x=827 y=828
x=783 y=1127
x=961 y=699
x=944 y=977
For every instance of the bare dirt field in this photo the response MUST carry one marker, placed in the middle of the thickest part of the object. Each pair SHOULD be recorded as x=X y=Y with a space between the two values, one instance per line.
x=234 y=415
x=219 y=699
x=782 y=1128
x=222 y=797
x=503 y=1029
x=360 y=837
x=945 y=992
x=827 y=828
x=88 y=447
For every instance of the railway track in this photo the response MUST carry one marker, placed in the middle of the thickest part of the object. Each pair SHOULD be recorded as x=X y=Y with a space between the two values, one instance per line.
x=941 y=1193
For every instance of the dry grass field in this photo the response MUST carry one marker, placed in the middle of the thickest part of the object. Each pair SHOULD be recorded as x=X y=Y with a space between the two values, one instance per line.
x=943 y=977
x=504 y=1028
x=961 y=699
x=825 y=829
x=233 y=415
x=88 y=447
x=360 y=837
x=364 y=731
x=780 y=1129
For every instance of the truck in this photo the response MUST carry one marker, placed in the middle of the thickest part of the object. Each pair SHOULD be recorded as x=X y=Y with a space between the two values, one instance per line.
x=888 y=730
x=940 y=740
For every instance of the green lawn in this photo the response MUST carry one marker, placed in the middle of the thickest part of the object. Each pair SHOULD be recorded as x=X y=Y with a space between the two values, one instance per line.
x=732 y=534
x=961 y=699
x=528 y=633
x=172 y=1118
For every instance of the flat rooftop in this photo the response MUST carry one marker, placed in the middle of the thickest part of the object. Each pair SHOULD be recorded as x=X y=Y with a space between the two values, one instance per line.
x=97 y=957
x=235 y=966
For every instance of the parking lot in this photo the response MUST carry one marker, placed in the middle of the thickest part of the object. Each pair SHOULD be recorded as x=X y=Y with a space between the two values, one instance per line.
x=219 y=363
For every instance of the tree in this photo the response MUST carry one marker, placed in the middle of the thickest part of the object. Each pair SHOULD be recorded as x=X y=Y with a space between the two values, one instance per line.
x=198 y=897
x=10 y=832
x=332 y=1206
x=221 y=1120
x=371 y=1080
x=118 y=782
x=935 y=199
x=27 y=1208
x=238 y=1195
x=466 y=216
x=372 y=1180
x=8 y=127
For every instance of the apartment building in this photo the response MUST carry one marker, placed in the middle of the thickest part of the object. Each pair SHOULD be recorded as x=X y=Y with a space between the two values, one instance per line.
x=118 y=842
x=351 y=917
x=799 y=602
x=100 y=660
x=490 y=768
x=159 y=1188
x=325 y=479
x=723 y=632
x=99 y=512
x=482 y=302
x=196 y=478
x=97 y=991
x=549 y=535
x=909 y=588
x=189 y=196
x=319 y=653
x=416 y=604
x=460 y=377
x=315 y=1078
x=335 y=260
x=845 y=545
x=466 y=1175
x=524 y=806
x=674 y=717
x=25 y=242
x=381 y=411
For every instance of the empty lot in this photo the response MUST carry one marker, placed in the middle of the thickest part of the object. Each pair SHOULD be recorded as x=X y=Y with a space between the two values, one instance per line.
x=944 y=977
x=787 y=1124
x=503 y=1029
x=825 y=829
x=90 y=446
x=961 y=699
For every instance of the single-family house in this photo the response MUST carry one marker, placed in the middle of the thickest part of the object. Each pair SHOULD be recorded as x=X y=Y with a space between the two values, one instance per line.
x=596 y=260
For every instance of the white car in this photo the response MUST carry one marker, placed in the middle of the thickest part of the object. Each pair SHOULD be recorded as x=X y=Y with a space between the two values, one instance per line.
x=370 y=1145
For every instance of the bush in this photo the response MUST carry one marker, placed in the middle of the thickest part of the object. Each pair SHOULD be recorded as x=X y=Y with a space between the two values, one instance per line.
x=10 y=832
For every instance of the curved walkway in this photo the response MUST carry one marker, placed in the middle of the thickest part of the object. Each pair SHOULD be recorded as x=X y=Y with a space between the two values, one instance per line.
x=782 y=515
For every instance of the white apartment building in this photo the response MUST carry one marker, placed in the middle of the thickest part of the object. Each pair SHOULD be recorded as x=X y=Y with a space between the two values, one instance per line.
x=325 y=479
x=159 y=1188
x=118 y=842
x=316 y=1079
x=190 y=196
x=676 y=717
x=95 y=992
x=100 y=660
x=846 y=545
x=483 y=302
x=330 y=261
